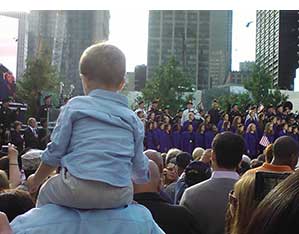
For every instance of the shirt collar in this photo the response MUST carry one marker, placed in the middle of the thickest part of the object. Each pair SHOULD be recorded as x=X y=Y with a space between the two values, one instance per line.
x=225 y=174
x=113 y=96
x=272 y=167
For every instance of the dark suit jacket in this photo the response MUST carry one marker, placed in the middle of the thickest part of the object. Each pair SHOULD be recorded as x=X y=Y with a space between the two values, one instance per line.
x=172 y=219
x=207 y=202
x=30 y=140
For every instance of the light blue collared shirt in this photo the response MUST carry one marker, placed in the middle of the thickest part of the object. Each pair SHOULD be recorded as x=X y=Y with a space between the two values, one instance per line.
x=49 y=219
x=97 y=137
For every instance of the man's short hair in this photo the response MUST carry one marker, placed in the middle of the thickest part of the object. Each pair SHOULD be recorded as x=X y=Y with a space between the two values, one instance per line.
x=229 y=148
x=284 y=148
x=104 y=64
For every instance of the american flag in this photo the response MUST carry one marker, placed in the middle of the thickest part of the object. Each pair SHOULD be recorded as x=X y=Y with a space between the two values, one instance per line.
x=264 y=141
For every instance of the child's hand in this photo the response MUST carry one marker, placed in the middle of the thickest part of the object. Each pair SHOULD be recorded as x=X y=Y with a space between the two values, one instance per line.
x=32 y=185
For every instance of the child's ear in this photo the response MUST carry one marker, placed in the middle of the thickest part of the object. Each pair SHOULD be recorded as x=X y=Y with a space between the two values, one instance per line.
x=122 y=85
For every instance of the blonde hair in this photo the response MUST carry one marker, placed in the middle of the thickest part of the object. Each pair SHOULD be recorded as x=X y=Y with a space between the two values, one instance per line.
x=104 y=64
x=244 y=191
x=197 y=153
x=172 y=153
x=250 y=127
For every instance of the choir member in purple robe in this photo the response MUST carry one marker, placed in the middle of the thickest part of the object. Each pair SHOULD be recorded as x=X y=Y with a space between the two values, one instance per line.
x=200 y=136
x=225 y=118
x=191 y=120
x=251 y=119
x=176 y=136
x=225 y=127
x=188 y=140
x=284 y=130
x=211 y=131
x=166 y=140
x=157 y=132
x=295 y=135
x=241 y=130
x=236 y=121
x=269 y=133
x=261 y=125
x=152 y=117
x=290 y=130
x=251 y=141
x=149 y=136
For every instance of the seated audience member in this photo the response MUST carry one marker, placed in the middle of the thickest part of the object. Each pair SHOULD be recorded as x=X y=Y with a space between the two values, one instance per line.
x=197 y=153
x=241 y=205
x=16 y=137
x=285 y=156
x=170 y=174
x=157 y=158
x=207 y=201
x=15 y=202
x=194 y=173
x=171 y=218
x=172 y=153
x=268 y=152
x=206 y=157
x=244 y=165
x=50 y=218
x=278 y=212
x=30 y=134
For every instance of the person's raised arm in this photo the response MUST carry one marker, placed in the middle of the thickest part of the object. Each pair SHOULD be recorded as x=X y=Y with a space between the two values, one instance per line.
x=14 y=170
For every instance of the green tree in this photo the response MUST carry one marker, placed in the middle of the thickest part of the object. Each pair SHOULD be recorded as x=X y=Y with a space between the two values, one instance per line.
x=243 y=100
x=40 y=76
x=169 y=85
x=261 y=88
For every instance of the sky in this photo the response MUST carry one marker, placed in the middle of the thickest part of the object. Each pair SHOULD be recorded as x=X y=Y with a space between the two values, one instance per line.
x=129 y=29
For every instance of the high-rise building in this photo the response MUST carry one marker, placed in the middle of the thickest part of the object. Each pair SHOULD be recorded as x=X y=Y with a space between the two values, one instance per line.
x=277 y=45
x=246 y=66
x=199 y=40
x=66 y=34
x=22 y=39
x=140 y=77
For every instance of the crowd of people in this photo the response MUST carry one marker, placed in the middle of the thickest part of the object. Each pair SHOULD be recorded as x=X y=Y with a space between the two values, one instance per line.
x=192 y=128
x=95 y=176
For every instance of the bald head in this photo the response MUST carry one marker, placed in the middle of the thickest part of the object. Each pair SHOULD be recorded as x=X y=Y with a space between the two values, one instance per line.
x=154 y=183
x=285 y=151
x=156 y=157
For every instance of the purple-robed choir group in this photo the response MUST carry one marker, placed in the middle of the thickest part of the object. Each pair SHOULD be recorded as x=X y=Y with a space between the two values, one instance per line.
x=193 y=128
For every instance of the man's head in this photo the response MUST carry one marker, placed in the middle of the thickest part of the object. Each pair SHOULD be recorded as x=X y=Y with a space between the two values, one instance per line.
x=189 y=104
x=182 y=161
x=154 y=184
x=285 y=151
x=235 y=107
x=156 y=157
x=141 y=104
x=206 y=157
x=32 y=122
x=228 y=149
x=47 y=100
x=102 y=66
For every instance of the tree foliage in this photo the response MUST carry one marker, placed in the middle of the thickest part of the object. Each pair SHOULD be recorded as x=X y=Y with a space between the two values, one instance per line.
x=169 y=85
x=261 y=88
x=243 y=100
x=40 y=76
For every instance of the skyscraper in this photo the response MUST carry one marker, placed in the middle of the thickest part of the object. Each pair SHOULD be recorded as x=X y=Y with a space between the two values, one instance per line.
x=199 y=40
x=277 y=45
x=22 y=39
x=66 y=34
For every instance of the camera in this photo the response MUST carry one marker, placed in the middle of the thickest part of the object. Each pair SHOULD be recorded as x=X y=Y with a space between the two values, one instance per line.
x=266 y=181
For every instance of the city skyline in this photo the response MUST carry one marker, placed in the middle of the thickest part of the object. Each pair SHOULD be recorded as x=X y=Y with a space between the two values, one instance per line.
x=134 y=43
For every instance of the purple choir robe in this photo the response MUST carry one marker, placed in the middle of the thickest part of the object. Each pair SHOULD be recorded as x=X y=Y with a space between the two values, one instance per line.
x=176 y=139
x=200 y=140
x=187 y=142
x=149 y=140
x=219 y=125
x=156 y=136
x=186 y=124
x=209 y=137
x=282 y=133
x=295 y=137
x=165 y=142
x=251 y=142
